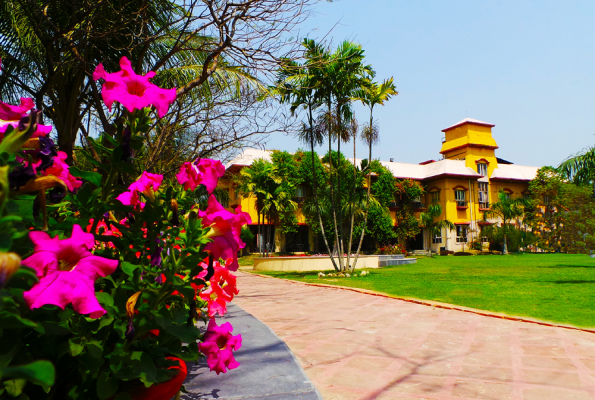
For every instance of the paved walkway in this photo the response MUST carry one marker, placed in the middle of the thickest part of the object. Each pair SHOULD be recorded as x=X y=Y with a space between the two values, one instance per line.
x=268 y=370
x=358 y=346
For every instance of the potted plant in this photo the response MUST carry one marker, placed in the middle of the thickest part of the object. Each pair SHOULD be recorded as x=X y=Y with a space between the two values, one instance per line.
x=105 y=273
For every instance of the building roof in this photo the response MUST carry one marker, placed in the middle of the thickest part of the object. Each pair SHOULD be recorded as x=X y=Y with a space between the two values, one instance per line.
x=514 y=172
x=455 y=168
x=469 y=121
x=248 y=156
x=431 y=170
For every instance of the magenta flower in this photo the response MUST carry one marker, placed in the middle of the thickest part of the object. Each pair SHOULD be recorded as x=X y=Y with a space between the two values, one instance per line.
x=11 y=116
x=147 y=184
x=226 y=228
x=202 y=171
x=61 y=170
x=67 y=272
x=133 y=91
x=218 y=345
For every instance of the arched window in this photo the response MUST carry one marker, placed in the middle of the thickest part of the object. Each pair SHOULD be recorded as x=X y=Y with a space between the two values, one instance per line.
x=482 y=167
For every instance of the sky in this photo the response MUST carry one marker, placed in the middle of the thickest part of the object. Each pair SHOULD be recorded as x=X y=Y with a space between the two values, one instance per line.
x=525 y=66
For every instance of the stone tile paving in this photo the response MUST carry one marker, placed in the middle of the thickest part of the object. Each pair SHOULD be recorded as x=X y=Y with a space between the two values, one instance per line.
x=359 y=346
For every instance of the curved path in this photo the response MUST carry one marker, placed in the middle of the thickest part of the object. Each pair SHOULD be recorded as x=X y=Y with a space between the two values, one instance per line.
x=358 y=346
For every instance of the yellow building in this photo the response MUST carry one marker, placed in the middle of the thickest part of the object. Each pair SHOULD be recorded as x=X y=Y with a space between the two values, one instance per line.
x=464 y=182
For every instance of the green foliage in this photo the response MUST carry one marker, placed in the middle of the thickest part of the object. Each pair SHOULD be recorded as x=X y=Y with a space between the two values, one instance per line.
x=380 y=224
x=516 y=239
x=247 y=236
x=562 y=214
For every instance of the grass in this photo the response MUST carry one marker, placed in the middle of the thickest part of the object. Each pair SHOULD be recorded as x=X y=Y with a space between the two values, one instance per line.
x=552 y=287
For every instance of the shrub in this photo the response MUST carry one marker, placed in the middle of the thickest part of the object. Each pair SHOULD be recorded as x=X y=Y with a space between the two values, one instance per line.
x=391 y=249
x=463 y=253
x=446 y=252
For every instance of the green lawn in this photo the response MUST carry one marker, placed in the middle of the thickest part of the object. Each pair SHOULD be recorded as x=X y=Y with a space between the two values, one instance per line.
x=552 y=287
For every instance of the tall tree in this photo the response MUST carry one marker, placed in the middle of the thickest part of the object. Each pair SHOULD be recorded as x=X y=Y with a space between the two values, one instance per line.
x=297 y=84
x=50 y=49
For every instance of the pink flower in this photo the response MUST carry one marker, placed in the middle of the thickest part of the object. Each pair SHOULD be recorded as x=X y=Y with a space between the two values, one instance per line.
x=218 y=345
x=11 y=115
x=61 y=170
x=133 y=91
x=226 y=228
x=220 y=291
x=202 y=171
x=67 y=272
x=147 y=184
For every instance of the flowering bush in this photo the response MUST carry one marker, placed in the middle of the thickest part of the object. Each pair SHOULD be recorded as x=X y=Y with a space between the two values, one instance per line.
x=114 y=277
x=391 y=249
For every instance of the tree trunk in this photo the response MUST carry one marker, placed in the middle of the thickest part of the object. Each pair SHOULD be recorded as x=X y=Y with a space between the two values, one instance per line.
x=361 y=238
x=315 y=187
x=352 y=209
x=330 y=152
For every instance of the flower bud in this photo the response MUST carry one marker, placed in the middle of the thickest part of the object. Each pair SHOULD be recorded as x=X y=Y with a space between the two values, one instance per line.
x=9 y=264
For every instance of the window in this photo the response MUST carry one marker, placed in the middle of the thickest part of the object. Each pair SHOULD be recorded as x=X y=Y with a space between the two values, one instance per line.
x=461 y=234
x=437 y=237
x=460 y=198
x=482 y=169
x=527 y=196
x=483 y=234
x=300 y=192
x=435 y=196
x=546 y=199
x=483 y=195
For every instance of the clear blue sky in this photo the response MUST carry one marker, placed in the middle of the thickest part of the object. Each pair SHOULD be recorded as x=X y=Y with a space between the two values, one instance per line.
x=526 y=66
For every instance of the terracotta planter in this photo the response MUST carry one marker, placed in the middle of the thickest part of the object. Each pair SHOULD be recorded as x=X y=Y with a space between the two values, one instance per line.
x=163 y=390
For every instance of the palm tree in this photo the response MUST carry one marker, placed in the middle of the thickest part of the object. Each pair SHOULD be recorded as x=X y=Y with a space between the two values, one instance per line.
x=580 y=168
x=371 y=96
x=506 y=209
x=297 y=85
x=434 y=227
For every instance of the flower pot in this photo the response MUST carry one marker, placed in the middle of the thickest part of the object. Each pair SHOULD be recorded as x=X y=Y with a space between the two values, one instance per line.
x=164 y=390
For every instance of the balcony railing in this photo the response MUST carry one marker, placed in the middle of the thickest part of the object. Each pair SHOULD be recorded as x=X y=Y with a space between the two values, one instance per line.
x=461 y=204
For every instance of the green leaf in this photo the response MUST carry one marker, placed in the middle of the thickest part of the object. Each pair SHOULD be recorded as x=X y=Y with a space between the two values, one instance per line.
x=104 y=298
x=93 y=177
x=15 y=387
x=107 y=386
x=129 y=268
x=75 y=348
x=39 y=372
x=13 y=321
x=5 y=241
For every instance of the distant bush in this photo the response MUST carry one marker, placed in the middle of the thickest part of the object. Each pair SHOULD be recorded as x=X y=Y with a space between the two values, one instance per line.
x=446 y=252
x=392 y=249
x=463 y=253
